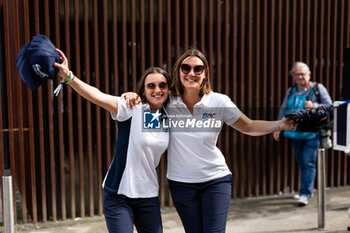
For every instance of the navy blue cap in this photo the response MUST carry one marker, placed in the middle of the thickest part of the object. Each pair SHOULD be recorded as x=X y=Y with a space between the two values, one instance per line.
x=35 y=61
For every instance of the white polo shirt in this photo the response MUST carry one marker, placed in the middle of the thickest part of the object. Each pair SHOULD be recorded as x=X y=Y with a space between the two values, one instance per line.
x=138 y=151
x=193 y=156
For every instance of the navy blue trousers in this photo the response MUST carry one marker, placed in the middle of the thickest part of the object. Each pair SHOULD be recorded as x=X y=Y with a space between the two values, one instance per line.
x=202 y=207
x=121 y=213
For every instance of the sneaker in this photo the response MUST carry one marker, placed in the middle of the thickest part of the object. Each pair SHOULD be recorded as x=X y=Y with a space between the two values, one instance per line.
x=296 y=196
x=303 y=200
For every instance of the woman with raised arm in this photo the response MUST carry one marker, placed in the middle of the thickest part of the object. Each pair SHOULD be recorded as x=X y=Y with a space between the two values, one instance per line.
x=199 y=178
x=130 y=187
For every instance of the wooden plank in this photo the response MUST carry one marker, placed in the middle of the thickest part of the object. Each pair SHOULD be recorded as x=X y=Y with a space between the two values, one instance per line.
x=160 y=44
x=124 y=47
x=277 y=84
x=70 y=116
x=168 y=36
x=142 y=36
x=202 y=25
x=227 y=132
x=151 y=33
x=30 y=121
x=7 y=43
x=106 y=80
x=88 y=109
x=235 y=87
x=209 y=48
x=50 y=100
x=20 y=122
x=185 y=24
x=241 y=99
x=133 y=46
x=41 y=129
x=78 y=73
x=2 y=152
x=259 y=158
x=177 y=29
x=62 y=186
x=194 y=42
x=98 y=109
x=248 y=91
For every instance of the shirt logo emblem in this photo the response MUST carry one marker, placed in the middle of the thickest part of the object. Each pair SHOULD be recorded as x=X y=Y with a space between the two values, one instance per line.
x=209 y=115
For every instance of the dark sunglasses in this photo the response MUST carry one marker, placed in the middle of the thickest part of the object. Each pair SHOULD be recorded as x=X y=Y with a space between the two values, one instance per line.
x=161 y=85
x=187 y=69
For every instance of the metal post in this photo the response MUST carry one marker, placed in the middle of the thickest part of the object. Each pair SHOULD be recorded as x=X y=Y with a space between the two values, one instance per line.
x=321 y=194
x=9 y=222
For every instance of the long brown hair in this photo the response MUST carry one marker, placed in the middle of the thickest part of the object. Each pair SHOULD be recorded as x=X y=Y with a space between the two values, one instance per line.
x=141 y=83
x=176 y=87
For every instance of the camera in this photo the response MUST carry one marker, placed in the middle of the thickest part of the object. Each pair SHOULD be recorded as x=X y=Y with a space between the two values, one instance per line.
x=315 y=120
x=310 y=120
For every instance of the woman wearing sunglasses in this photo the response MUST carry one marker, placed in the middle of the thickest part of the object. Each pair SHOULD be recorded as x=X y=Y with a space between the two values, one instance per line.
x=130 y=187
x=199 y=178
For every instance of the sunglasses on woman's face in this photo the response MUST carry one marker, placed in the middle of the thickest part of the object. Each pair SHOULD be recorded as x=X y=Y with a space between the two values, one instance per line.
x=198 y=70
x=161 y=85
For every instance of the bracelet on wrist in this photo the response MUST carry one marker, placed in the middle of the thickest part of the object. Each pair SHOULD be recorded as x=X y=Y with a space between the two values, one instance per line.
x=64 y=81
x=70 y=78
x=277 y=126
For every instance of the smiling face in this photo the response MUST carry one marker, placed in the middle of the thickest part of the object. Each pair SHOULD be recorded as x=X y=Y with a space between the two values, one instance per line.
x=156 y=90
x=193 y=79
x=302 y=77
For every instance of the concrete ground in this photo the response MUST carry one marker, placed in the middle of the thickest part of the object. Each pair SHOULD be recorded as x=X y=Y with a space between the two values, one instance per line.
x=260 y=215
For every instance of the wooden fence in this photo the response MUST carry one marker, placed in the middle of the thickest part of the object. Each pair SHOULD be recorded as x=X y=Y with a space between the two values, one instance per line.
x=58 y=149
